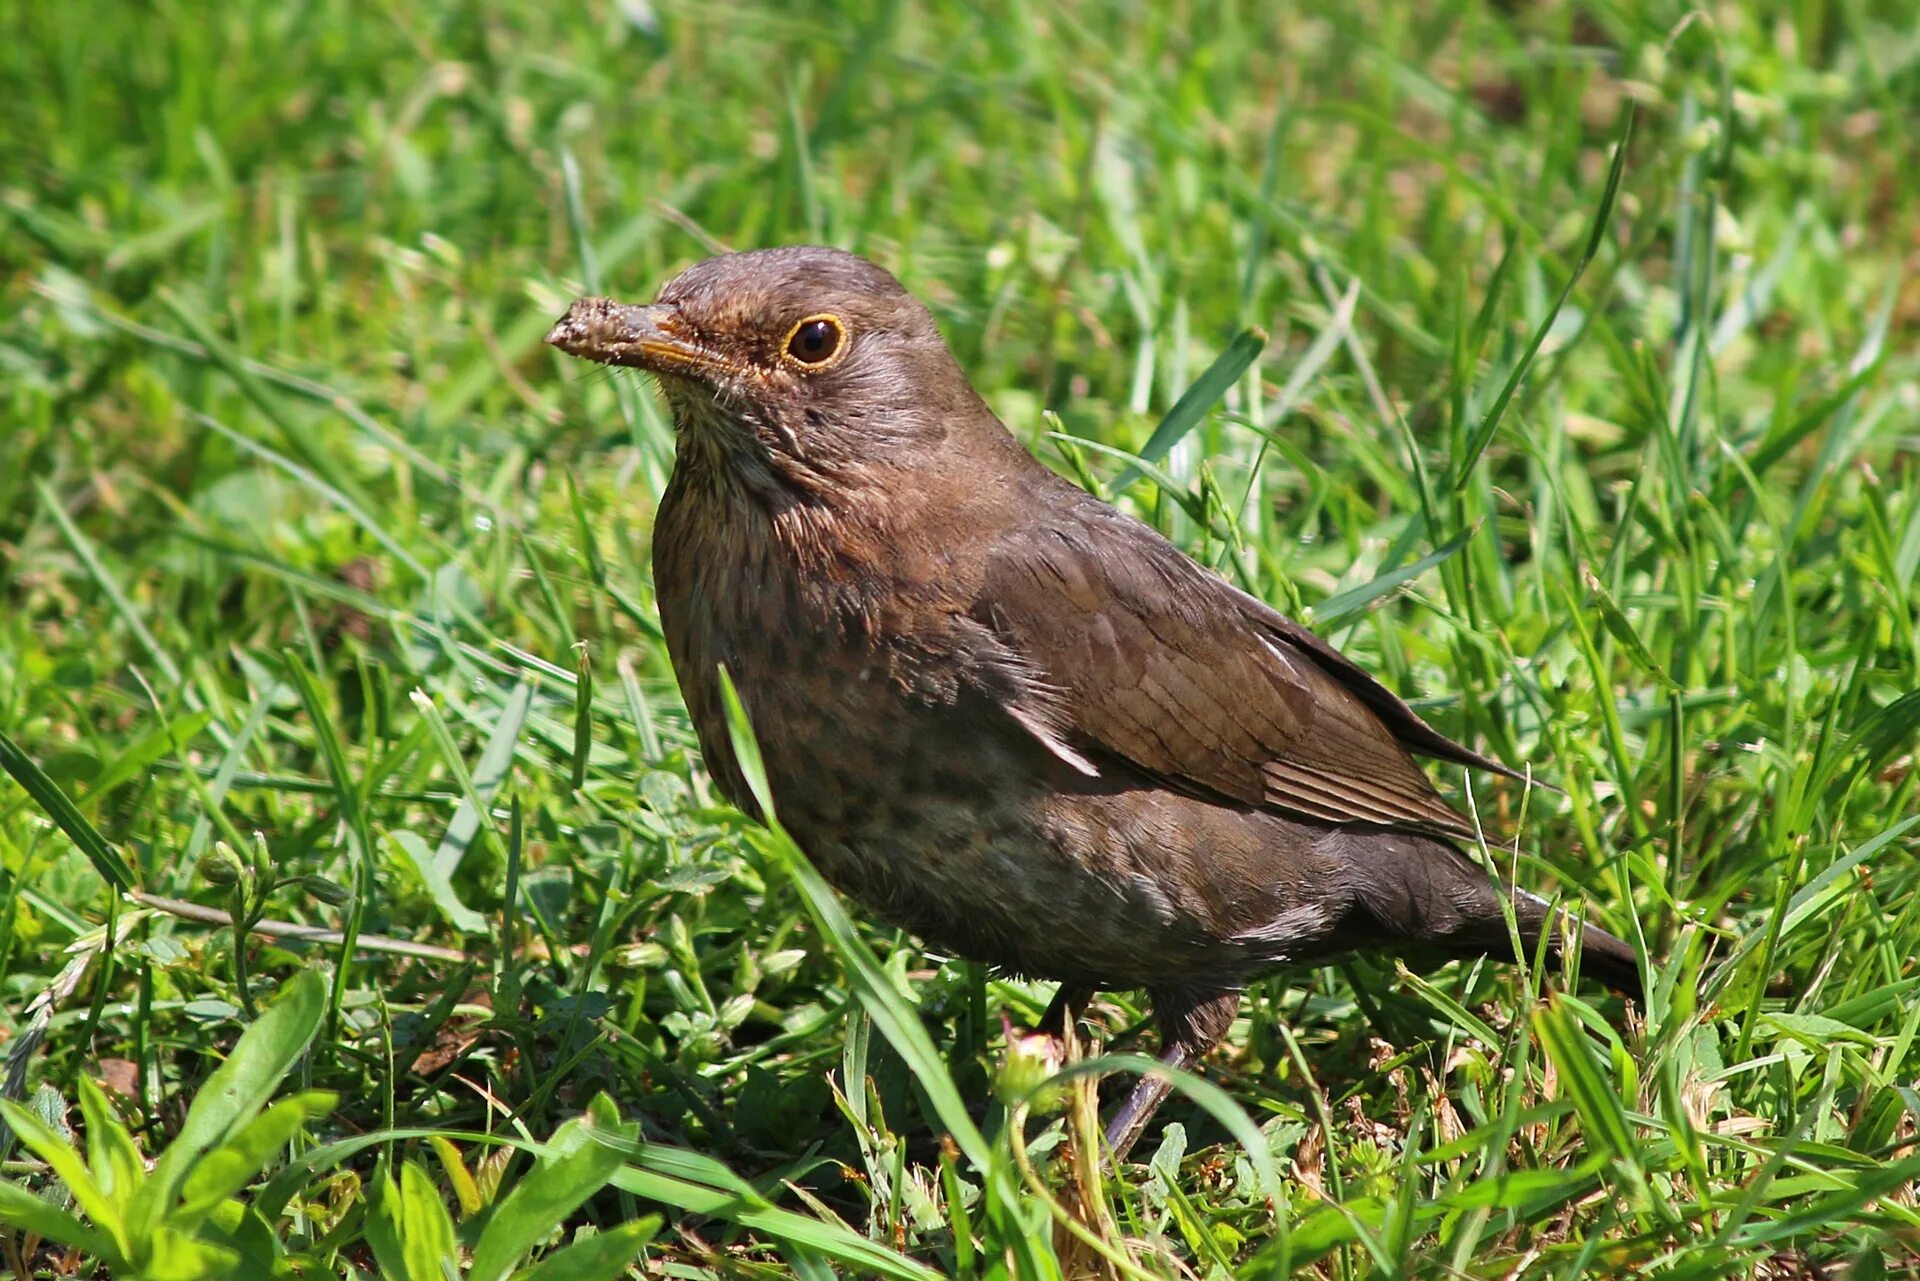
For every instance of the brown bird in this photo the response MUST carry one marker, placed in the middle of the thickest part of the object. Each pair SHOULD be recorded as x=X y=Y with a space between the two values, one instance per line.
x=999 y=712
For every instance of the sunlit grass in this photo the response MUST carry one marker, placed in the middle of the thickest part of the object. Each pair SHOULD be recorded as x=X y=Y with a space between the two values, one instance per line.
x=324 y=602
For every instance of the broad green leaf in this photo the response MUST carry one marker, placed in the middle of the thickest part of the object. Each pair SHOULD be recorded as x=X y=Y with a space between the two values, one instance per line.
x=23 y=1210
x=409 y=1229
x=553 y=1189
x=112 y=1157
x=236 y=1092
x=429 y=1241
x=172 y=1255
x=600 y=1257
x=386 y=1232
x=226 y=1169
x=239 y=1226
x=67 y=1164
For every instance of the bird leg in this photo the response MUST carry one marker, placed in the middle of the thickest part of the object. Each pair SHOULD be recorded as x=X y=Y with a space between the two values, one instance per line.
x=1066 y=1009
x=1142 y=1102
x=1191 y=1024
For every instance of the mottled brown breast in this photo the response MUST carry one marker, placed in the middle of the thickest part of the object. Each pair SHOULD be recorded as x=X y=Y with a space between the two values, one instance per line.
x=897 y=780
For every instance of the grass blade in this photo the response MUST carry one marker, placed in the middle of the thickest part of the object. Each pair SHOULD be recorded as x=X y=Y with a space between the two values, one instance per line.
x=59 y=807
x=1483 y=435
x=1192 y=407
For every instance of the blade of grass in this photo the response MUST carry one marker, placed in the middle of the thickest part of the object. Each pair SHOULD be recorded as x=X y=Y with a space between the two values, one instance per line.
x=1483 y=435
x=1188 y=411
x=59 y=807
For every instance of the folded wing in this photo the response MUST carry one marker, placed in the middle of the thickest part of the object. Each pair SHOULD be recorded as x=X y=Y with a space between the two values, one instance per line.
x=1146 y=656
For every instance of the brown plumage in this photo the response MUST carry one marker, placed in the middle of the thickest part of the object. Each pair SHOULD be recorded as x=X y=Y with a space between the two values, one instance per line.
x=998 y=711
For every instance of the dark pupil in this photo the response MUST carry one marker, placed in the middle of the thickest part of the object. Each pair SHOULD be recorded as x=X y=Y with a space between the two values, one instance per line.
x=814 y=341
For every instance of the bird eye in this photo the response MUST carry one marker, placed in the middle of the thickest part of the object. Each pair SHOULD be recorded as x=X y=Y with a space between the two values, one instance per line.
x=815 y=340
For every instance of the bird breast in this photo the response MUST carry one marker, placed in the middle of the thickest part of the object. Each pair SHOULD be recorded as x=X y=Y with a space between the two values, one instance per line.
x=784 y=601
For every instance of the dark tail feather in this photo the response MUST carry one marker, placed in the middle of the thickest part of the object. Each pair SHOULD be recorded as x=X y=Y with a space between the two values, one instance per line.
x=1424 y=891
x=1611 y=960
x=1602 y=956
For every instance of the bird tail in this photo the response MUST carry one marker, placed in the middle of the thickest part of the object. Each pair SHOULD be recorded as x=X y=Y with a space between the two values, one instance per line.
x=1426 y=891
x=1603 y=956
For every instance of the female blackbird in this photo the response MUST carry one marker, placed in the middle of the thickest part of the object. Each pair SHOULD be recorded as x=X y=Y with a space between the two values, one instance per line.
x=999 y=712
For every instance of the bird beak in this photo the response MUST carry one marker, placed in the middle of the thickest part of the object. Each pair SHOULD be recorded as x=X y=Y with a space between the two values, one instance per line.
x=651 y=337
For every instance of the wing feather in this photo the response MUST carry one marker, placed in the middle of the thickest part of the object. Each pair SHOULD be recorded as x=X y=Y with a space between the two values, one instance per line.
x=1150 y=658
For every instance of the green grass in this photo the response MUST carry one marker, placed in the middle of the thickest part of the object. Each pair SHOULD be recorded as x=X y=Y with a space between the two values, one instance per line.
x=324 y=599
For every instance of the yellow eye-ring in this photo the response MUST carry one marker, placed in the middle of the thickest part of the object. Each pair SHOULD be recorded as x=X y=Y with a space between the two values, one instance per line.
x=816 y=341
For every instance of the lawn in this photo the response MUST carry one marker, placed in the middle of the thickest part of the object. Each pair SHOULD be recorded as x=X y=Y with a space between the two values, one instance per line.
x=1561 y=363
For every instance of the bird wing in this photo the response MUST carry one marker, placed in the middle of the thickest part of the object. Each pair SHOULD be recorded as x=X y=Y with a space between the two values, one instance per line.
x=1139 y=652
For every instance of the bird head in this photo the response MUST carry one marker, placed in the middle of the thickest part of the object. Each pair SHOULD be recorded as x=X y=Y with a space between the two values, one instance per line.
x=793 y=366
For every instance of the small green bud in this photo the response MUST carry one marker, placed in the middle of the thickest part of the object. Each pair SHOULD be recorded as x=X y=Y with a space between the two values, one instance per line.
x=325 y=889
x=221 y=866
x=262 y=857
x=1032 y=1057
